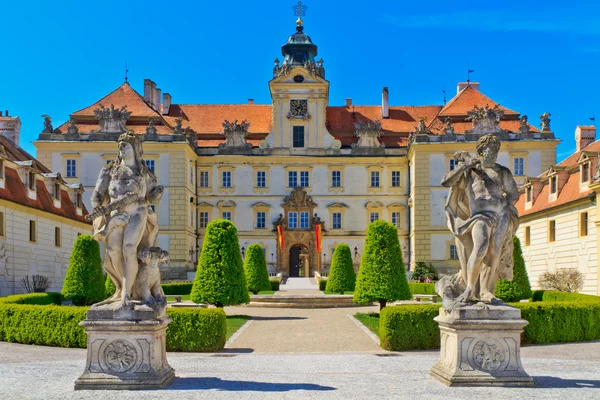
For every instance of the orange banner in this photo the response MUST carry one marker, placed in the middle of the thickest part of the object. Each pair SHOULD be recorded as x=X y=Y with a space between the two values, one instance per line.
x=318 y=237
x=280 y=234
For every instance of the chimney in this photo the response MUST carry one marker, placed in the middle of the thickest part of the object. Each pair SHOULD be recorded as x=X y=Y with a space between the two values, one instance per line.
x=462 y=85
x=250 y=101
x=6 y=113
x=158 y=95
x=385 y=108
x=584 y=135
x=148 y=93
x=166 y=103
x=348 y=103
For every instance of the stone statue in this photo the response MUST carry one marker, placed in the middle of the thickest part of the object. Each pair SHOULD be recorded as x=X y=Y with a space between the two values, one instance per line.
x=280 y=222
x=147 y=284
x=368 y=133
x=112 y=120
x=47 y=124
x=235 y=134
x=524 y=127
x=72 y=128
x=421 y=128
x=316 y=220
x=449 y=129
x=545 y=124
x=151 y=128
x=482 y=216
x=485 y=119
x=122 y=215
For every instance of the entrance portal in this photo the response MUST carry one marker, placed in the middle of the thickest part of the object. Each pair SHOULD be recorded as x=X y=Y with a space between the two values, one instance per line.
x=295 y=260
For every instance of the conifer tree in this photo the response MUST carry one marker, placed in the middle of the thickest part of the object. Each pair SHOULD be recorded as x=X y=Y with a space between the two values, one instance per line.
x=519 y=288
x=84 y=281
x=381 y=276
x=255 y=268
x=341 y=274
x=220 y=278
x=109 y=287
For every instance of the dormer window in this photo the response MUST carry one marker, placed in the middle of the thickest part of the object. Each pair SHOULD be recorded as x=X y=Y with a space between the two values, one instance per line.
x=31 y=180
x=57 y=191
x=529 y=194
x=553 y=185
x=585 y=172
x=1 y=168
x=78 y=200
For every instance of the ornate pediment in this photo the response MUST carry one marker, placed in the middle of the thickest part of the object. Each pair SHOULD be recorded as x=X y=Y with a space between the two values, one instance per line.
x=225 y=203
x=235 y=134
x=368 y=133
x=298 y=198
x=112 y=120
x=260 y=204
x=204 y=204
x=485 y=120
x=337 y=205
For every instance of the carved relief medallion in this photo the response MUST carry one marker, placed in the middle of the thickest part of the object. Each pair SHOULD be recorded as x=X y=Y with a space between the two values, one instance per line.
x=120 y=356
x=488 y=356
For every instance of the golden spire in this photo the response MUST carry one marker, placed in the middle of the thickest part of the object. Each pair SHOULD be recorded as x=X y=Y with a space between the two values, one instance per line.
x=299 y=21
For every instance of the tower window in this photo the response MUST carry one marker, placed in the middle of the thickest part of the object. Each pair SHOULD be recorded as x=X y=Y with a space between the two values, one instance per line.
x=298 y=139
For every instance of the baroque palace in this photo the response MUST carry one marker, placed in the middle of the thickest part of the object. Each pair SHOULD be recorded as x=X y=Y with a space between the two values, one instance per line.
x=280 y=170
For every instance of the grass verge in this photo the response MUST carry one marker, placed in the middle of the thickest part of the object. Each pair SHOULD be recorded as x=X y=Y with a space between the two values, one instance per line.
x=346 y=292
x=264 y=292
x=235 y=322
x=370 y=320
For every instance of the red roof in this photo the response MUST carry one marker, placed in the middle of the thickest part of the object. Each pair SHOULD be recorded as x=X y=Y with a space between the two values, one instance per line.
x=208 y=118
x=573 y=158
x=467 y=99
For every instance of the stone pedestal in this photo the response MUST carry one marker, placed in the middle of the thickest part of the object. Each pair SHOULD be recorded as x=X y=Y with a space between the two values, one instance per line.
x=480 y=346
x=126 y=350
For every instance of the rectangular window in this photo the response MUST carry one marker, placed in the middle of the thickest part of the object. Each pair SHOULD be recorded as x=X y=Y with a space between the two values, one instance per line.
x=227 y=215
x=261 y=220
x=226 y=182
x=203 y=216
x=374 y=216
x=293 y=220
x=1 y=168
x=583 y=224
x=78 y=200
x=553 y=185
x=337 y=220
x=71 y=168
x=150 y=164
x=374 y=178
x=298 y=139
x=31 y=176
x=57 y=238
x=527 y=235
x=191 y=175
x=304 y=220
x=204 y=179
x=261 y=179
x=452 y=164
x=585 y=172
x=453 y=252
x=395 y=178
x=1 y=224
x=57 y=191
x=336 y=178
x=552 y=231
x=304 y=179
x=293 y=179
x=519 y=163
x=396 y=219
x=32 y=231
x=529 y=193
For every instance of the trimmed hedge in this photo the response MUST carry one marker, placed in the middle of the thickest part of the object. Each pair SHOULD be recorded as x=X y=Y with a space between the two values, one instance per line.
x=341 y=273
x=519 y=288
x=274 y=284
x=322 y=284
x=421 y=288
x=555 y=295
x=84 y=280
x=255 y=269
x=41 y=299
x=178 y=288
x=191 y=330
x=412 y=327
x=109 y=287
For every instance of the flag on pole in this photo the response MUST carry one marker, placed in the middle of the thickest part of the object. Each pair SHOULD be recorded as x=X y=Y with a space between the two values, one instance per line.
x=280 y=235
x=318 y=237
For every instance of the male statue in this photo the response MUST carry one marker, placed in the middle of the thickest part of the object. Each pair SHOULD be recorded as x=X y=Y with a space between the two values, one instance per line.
x=122 y=215
x=482 y=216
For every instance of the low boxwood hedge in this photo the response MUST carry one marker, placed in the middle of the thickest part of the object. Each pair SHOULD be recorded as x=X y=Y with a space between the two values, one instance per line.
x=177 y=288
x=421 y=288
x=33 y=298
x=555 y=295
x=412 y=327
x=274 y=284
x=322 y=284
x=192 y=330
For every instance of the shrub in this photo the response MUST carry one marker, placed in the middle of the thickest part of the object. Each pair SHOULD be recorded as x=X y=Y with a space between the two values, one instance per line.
x=519 y=288
x=554 y=295
x=409 y=327
x=563 y=279
x=177 y=288
x=37 y=284
x=322 y=284
x=84 y=281
x=421 y=288
x=196 y=329
x=424 y=270
x=274 y=284
x=381 y=276
x=33 y=298
x=220 y=276
x=341 y=276
x=255 y=269
x=109 y=287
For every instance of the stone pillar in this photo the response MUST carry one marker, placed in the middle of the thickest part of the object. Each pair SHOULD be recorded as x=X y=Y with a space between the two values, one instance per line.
x=480 y=346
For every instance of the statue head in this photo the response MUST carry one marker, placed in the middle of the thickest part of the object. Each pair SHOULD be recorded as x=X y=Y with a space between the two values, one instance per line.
x=488 y=147
x=129 y=146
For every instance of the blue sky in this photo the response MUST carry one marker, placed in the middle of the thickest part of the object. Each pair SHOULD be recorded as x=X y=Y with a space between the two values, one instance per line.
x=530 y=56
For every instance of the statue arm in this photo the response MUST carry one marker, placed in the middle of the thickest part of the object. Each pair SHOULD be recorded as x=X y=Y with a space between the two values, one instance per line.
x=453 y=177
x=101 y=188
x=155 y=191
x=510 y=187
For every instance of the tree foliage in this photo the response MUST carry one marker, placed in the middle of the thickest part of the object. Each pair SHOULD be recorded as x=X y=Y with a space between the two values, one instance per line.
x=341 y=274
x=424 y=270
x=255 y=268
x=84 y=281
x=519 y=288
x=109 y=287
x=220 y=276
x=381 y=276
x=563 y=279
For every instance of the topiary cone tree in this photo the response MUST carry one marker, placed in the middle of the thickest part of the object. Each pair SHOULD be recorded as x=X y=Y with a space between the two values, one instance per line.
x=220 y=276
x=255 y=269
x=109 y=287
x=519 y=288
x=381 y=276
x=341 y=274
x=84 y=281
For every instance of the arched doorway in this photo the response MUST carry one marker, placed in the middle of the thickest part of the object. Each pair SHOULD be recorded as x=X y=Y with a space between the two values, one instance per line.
x=296 y=260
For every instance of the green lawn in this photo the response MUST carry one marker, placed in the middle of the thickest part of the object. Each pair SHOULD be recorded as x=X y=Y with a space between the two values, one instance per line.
x=264 y=292
x=183 y=297
x=235 y=322
x=346 y=292
x=370 y=320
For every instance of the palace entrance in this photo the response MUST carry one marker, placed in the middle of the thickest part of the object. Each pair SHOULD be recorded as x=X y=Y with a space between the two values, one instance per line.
x=298 y=261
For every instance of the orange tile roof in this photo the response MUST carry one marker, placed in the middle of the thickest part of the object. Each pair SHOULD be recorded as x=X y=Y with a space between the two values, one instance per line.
x=208 y=118
x=203 y=142
x=573 y=158
x=466 y=100
x=87 y=127
x=569 y=193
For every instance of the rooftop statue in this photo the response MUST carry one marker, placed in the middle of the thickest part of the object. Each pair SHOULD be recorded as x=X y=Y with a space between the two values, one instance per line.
x=112 y=120
x=124 y=220
x=47 y=124
x=481 y=214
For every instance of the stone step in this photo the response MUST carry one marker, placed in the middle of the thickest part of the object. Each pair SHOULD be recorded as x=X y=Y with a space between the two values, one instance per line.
x=302 y=301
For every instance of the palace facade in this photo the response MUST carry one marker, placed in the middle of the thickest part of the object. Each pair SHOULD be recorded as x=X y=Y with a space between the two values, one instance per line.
x=297 y=162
